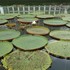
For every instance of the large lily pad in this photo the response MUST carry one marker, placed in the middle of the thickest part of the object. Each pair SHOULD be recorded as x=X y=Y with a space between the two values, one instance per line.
x=38 y=30
x=54 y=22
x=30 y=42
x=19 y=60
x=5 y=47
x=26 y=16
x=59 y=48
x=37 y=13
x=3 y=22
x=7 y=17
x=8 y=34
x=45 y=16
x=68 y=24
x=62 y=15
x=27 y=20
x=67 y=18
x=60 y=34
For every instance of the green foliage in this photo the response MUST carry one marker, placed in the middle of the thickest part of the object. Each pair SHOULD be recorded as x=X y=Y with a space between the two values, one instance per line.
x=32 y=2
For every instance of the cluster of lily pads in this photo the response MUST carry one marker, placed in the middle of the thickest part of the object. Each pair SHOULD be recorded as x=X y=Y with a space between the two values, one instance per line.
x=24 y=51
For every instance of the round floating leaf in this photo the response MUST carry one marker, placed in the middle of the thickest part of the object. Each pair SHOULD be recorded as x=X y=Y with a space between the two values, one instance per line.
x=13 y=14
x=68 y=25
x=45 y=16
x=60 y=34
x=54 y=22
x=59 y=48
x=3 y=22
x=27 y=20
x=38 y=30
x=5 y=47
x=30 y=42
x=26 y=16
x=62 y=15
x=67 y=18
x=19 y=60
x=37 y=13
x=7 y=16
x=8 y=34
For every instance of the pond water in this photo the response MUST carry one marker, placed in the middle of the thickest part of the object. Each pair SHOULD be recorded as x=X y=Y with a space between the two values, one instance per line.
x=60 y=64
x=57 y=63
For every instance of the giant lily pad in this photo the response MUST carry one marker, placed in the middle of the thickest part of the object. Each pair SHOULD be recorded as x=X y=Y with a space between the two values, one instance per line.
x=3 y=22
x=7 y=17
x=67 y=18
x=27 y=20
x=68 y=24
x=62 y=15
x=54 y=22
x=5 y=47
x=8 y=34
x=60 y=34
x=45 y=16
x=30 y=42
x=13 y=14
x=59 y=48
x=19 y=60
x=26 y=16
x=38 y=30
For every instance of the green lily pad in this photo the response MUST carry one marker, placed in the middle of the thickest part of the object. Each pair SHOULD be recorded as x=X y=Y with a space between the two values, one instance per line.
x=19 y=60
x=60 y=34
x=45 y=16
x=62 y=15
x=26 y=16
x=54 y=22
x=7 y=17
x=13 y=14
x=37 y=13
x=59 y=48
x=27 y=20
x=67 y=18
x=38 y=30
x=30 y=42
x=68 y=24
x=5 y=47
x=8 y=34
x=3 y=22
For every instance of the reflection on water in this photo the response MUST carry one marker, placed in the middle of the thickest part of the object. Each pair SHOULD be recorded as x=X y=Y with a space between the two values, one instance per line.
x=60 y=64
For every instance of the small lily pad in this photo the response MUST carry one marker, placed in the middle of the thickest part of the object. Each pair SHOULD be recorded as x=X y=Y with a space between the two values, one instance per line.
x=5 y=48
x=8 y=34
x=60 y=34
x=38 y=30
x=3 y=22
